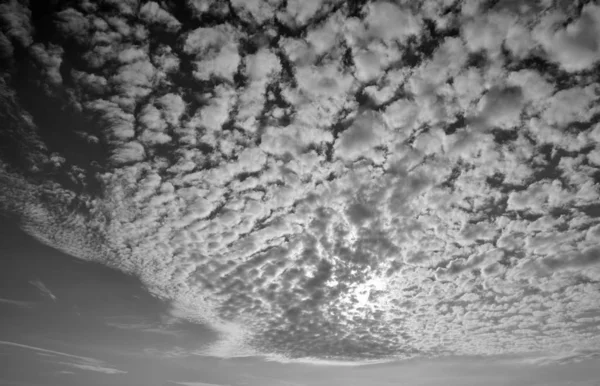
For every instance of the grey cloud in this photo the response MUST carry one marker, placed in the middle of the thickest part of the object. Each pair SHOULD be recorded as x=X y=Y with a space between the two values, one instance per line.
x=16 y=22
x=6 y=48
x=153 y=13
x=75 y=361
x=501 y=107
x=195 y=384
x=43 y=289
x=95 y=368
x=72 y=24
x=128 y=152
x=255 y=10
x=359 y=140
x=50 y=58
x=298 y=12
x=574 y=46
x=18 y=303
x=216 y=49
x=586 y=257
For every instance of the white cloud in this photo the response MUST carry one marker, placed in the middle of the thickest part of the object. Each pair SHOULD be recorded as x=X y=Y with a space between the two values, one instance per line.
x=128 y=152
x=388 y=21
x=300 y=11
x=153 y=13
x=261 y=68
x=258 y=11
x=487 y=32
x=367 y=132
x=216 y=49
x=574 y=45
x=571 y=105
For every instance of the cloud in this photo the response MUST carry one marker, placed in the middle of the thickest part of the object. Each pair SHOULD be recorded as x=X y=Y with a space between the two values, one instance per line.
x=388 y=21
x=18 y=303
x=572 y=356
x=254 y=10
x=153 y=13
x=16 y=22
x=574 y=44
x=43 y=289
x=216 y=50
x=298 y=12
x=360 y=139
x=316 y=181
x=94 y=368
x=195 y=383
x=141 y=325
x=65 y=372
x=130 y=152
x=79 y=362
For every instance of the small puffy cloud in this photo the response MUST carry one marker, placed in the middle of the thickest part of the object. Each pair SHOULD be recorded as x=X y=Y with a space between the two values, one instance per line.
x=571 y=105
x=262 y=65
x=128 y=152
x=537 y=197
x=519 y=41
x=368 y=131
x=532 y=84
x=50 y=58
x=152 y=12
x=16 y=23
x=573 y=44
x=72 y=24
x=261 y=68
x=501 y=107
x=215 y=7
x=258 y=11
x=165 y=60
x=487 y=32
x=216 y=111
x=216 y=49
x=300 y=11
x=388 y=21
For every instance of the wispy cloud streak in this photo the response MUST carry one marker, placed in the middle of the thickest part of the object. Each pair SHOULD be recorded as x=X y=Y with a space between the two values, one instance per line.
x=79 y=362
x=43 y=289
x=18 y=303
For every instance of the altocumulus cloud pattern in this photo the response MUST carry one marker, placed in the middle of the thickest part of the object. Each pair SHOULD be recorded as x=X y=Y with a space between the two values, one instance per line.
x=320 y=179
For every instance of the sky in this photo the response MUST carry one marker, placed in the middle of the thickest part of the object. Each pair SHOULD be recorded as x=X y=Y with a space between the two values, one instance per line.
x=272 y=192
